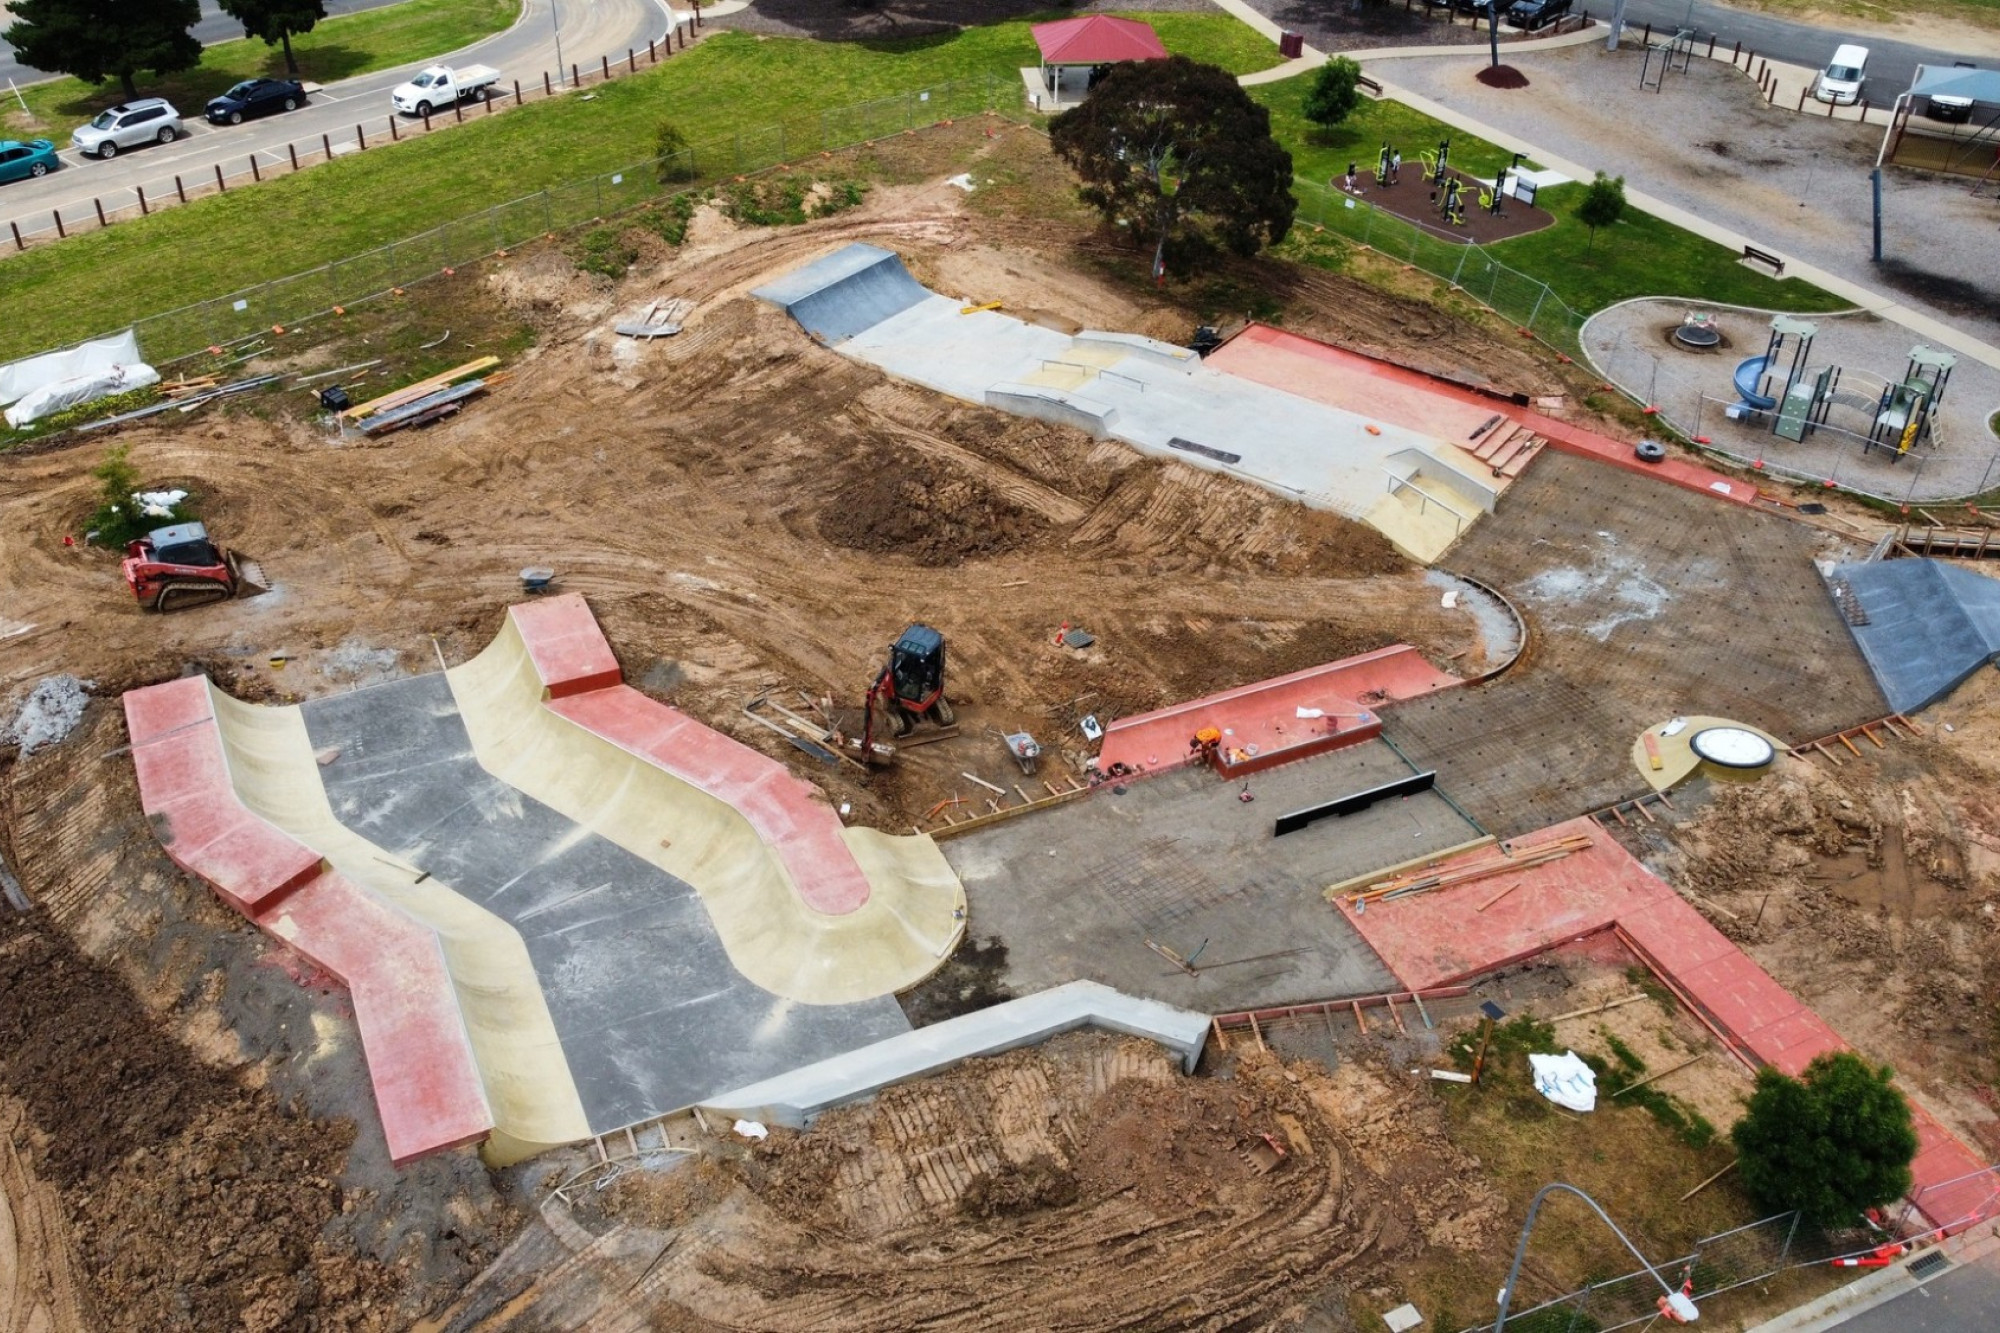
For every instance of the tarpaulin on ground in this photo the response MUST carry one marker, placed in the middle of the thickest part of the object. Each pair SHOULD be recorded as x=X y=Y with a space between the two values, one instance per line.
x=20 y=378
x=1565 y=1080
x=64 y=394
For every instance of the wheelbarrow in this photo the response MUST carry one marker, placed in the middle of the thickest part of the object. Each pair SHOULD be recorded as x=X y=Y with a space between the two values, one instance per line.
x=1025 y=749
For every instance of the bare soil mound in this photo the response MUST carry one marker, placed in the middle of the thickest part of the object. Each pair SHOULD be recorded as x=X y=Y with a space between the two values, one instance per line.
x=908 y=506
x=1501 y=76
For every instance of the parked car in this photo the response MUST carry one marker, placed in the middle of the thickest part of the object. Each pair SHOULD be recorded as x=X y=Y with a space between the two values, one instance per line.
x=19 y=161
x=128 y=125
x=1840 y=82
x=255 y=97
x=1535 y=15
x=441 y=86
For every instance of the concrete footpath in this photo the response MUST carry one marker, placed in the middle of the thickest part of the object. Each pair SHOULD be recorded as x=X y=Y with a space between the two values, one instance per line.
x=1959 y=1298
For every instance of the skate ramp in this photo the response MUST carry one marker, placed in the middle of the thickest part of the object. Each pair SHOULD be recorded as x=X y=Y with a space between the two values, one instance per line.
x=528 y=1083
x=1922 y=625
x=423 y=1070
x=795 y=1099
x=806 y=909
x=848 y=291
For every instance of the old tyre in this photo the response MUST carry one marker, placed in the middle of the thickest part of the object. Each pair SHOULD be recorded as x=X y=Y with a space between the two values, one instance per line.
x=1650 y=451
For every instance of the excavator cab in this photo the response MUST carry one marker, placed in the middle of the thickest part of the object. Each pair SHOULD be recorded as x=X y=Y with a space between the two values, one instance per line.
x=916 y=668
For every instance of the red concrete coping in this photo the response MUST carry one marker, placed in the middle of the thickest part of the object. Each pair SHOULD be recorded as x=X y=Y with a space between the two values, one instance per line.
x=1442 y=937
x=184 y=787
x=562 y=636
x=786 y=812
x=420 y=1062
x=569 y=651
x=1436 y=406
x=1264 y=715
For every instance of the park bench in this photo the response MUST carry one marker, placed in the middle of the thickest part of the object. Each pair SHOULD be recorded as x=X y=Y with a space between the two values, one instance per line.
x=1765 y=257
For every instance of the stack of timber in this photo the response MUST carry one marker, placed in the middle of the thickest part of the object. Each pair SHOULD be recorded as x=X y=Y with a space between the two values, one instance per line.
x=1501 y=863
x=425 y=401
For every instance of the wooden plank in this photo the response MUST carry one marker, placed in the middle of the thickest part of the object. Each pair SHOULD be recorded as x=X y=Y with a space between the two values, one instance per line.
x=1652 y=751
x=1842 y=738
x=409 y=393
x=1359 y=1021
x=1258 y=1033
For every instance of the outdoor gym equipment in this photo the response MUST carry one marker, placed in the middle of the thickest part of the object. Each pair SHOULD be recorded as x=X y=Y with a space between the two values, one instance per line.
x=1443 y=161
x=1906 y=410
x=1676 y=55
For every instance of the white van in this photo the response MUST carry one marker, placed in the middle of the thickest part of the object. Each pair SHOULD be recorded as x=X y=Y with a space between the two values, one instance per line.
x=1840 y=82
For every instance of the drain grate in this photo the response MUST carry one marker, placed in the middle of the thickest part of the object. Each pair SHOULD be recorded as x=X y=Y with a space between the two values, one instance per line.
x=1928 y=1264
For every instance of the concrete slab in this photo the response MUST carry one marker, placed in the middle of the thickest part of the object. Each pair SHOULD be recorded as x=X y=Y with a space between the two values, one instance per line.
x=1661 y=603
x=797 y=1098
x=651 y=1014
x=1923 y=625
x=1075 y=892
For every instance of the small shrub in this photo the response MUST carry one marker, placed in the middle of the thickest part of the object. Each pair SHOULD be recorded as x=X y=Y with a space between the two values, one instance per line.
x=669 y=220
x=118 y=519
x=673 y=157
x=605 y=251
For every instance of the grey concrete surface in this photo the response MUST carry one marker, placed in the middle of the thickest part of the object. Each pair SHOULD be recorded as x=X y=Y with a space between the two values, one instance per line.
x=1629 y=344
x=837 y=296
x=796 y=1098
x=1710 y=145
x=651 y=1014
x=1923 y=625
x=1076 y=892
x=1965 y=1300
x=1644 y=601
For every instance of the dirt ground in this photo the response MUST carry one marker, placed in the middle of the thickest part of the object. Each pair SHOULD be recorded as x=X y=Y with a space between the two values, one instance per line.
x=996 y=1196
x=1867 y=888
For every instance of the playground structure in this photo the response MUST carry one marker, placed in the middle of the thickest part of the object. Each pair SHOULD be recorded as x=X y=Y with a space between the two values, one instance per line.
x=1799 y=406
x=1905 y=412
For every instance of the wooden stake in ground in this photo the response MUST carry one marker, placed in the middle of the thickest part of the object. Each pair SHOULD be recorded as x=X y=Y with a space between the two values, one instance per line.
x=1706 y=1183
x=1671 y=1069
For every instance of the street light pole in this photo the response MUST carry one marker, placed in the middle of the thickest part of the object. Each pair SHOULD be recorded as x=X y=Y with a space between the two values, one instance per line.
x=555 y=17
x=1677 y=1304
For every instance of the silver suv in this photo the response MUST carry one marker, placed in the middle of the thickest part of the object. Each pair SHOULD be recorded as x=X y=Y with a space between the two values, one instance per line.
x=128 y=125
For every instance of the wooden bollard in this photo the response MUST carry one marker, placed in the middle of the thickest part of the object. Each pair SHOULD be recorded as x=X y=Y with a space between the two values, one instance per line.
x=547 y=90
x=327 y=144
x=221 y=186
x=575 y=79
x=517 y=92
x=144 y=211
x=606 y=62
x=19 y=244
x=180 y=190
x=360 y=139
x=652 y=53
x=631 y=61
x=394 y=134
x=100 y=213
x=56 y=213
x=255 y=174
x=293 y=149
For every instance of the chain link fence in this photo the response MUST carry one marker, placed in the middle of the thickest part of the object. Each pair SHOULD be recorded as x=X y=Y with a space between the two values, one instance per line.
x=1718 y=1264
x=287 y=301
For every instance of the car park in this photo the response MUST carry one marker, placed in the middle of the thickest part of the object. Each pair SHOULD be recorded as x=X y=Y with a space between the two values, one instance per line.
x=1535 y=15
x=255 y=97
x=21 y=161
x=128 y=125
x=1840 y=82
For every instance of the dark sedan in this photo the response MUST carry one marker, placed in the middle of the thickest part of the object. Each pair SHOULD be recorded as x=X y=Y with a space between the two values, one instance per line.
x=255 y=97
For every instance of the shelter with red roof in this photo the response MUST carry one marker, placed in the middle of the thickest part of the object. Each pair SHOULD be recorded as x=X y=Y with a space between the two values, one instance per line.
x=1087 y=44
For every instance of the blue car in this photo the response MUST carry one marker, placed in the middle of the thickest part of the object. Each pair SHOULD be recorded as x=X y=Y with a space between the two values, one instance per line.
x=18 y=161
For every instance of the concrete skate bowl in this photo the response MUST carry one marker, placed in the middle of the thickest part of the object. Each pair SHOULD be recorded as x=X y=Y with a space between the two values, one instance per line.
x=1923 y=625
x=853 y=289
x=607 y=942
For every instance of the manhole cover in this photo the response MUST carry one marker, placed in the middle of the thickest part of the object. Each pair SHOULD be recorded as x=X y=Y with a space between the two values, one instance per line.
x=1733 y=747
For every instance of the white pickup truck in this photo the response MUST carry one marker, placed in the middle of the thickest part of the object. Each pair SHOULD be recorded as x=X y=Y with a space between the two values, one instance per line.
x=441 y=86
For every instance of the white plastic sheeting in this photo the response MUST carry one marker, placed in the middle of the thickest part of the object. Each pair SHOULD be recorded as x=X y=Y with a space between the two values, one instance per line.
x=19 y=378
x=1565 y=1080
x=61 y=395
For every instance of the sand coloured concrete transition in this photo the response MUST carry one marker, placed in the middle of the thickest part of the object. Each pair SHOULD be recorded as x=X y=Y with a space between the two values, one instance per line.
x=601 y=757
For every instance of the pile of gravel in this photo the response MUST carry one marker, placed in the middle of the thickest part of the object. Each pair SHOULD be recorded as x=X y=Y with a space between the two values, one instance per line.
x=50 y=712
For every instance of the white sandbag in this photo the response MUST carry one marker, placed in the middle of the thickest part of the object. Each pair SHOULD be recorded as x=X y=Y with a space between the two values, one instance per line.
x=65 y=394
x=1565 y=1080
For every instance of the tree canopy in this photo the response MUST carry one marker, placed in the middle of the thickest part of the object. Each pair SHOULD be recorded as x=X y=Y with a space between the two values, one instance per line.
x=1336 y=91
x=97 y=40
x=1831 y=1144
x=1180 y=153
x=276 y=22
x=1603 y=204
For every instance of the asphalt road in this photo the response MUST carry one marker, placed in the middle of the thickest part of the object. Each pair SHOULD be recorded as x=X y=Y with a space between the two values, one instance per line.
x=1891 y=65
x=1965 y=1300
x=590 y=29
x=215 y=26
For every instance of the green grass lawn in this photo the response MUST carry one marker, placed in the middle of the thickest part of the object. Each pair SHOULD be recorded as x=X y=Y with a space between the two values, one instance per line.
x=218 y=245
x=338 y=48
x=1641 y=256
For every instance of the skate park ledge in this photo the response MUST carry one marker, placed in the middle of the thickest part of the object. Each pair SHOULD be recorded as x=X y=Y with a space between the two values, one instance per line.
x=796 y=1099
x=420 y=1061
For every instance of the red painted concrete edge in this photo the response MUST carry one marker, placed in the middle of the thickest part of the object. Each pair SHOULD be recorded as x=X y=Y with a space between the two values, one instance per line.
x=391 y=1069
x=1326 y=743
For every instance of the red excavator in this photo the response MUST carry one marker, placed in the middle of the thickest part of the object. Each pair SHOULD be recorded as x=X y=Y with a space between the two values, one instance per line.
x=910 y=687
x=172 y=568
